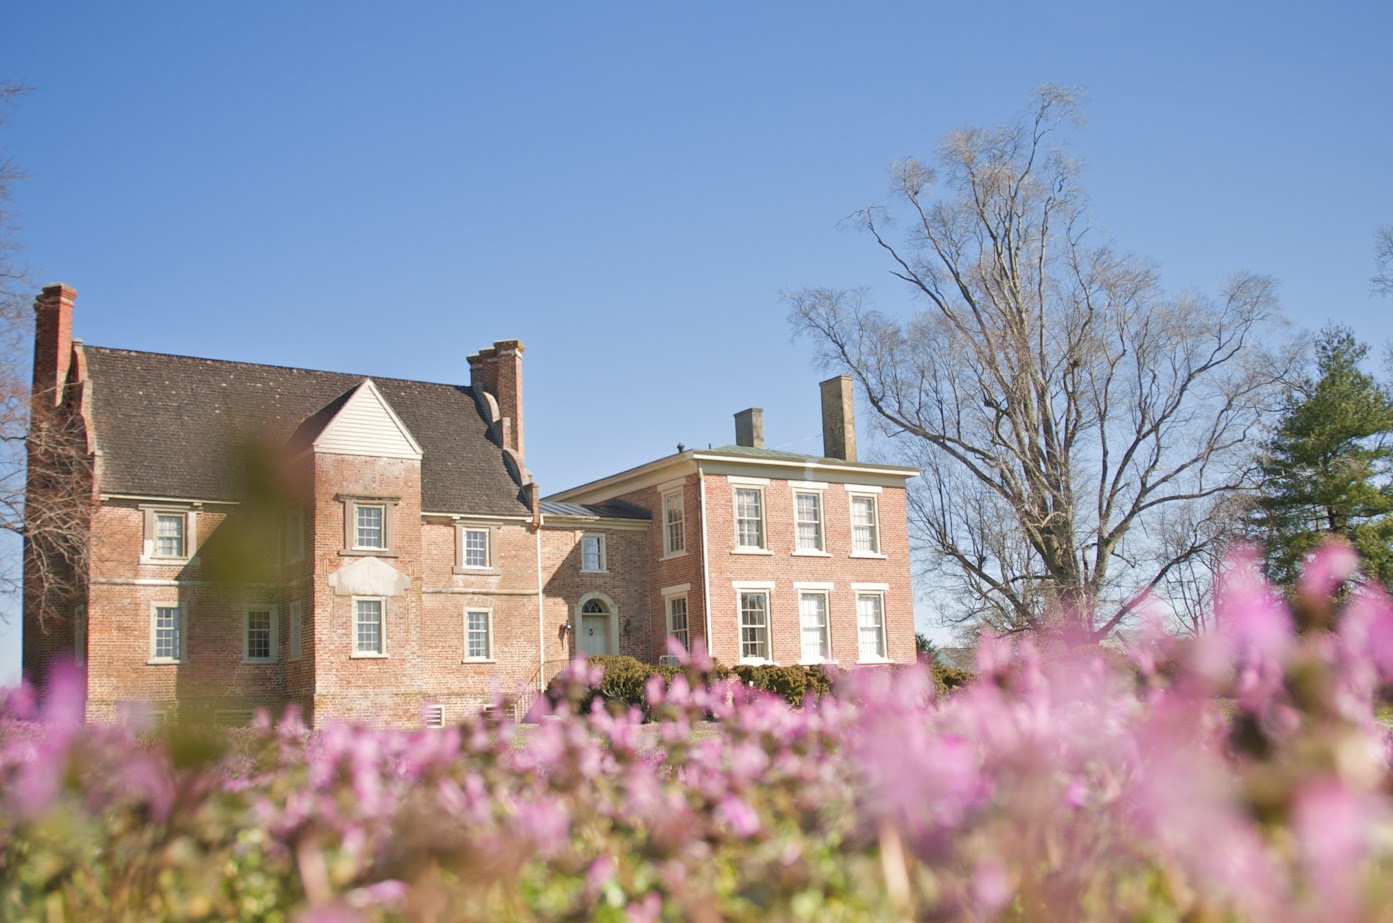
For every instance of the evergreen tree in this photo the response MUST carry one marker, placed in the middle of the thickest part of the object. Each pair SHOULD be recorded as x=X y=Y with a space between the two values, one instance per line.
x=1328 y=470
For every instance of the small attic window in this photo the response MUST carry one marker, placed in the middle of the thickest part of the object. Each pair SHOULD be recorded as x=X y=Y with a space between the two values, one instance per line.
x=369 y=525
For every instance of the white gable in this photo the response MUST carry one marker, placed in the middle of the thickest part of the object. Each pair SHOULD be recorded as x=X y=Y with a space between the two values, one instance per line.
x=366 y=425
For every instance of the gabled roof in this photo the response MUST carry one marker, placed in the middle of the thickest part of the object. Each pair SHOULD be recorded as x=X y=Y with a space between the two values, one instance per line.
x=178 y=426
x=366 y=424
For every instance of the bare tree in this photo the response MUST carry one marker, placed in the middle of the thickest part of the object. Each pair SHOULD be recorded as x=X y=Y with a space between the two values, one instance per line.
x=1066 y=411
x=1382 y=281
x=45 y=483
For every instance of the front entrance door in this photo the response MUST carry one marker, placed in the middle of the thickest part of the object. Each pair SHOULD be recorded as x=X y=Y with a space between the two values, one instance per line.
x=594 y=629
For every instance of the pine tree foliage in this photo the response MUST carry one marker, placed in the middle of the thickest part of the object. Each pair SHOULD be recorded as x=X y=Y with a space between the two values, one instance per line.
x=1329 y=467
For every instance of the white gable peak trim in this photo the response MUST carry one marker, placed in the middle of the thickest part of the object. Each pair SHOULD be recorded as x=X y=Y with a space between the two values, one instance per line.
x=367 y=425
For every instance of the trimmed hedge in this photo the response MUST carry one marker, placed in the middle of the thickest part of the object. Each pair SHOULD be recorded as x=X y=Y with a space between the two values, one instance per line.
x=624 y=682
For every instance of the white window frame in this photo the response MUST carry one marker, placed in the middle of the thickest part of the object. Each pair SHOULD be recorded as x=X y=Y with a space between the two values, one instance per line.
x=433 y=715
x=181 y=638
x=149 y=552
x=382 y=624
x=388 y=505
x=757 y=486
x=487 y=612
x=876 y=592
x=295 y=535
x=674 y=501
x=274 y=627
x=817 y=492
x=599 y=539
x=754 y=588
x=358 y=529
x=873 y=495
x=461 y=550
x=673 y=594
x=824 y=591
x=297 y=630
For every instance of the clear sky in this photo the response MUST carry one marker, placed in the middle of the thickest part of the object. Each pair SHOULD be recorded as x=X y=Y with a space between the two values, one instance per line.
x=626 y=187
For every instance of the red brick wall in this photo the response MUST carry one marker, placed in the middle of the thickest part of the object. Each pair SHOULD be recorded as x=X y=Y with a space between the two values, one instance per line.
x=672 y=570
x=623 y=585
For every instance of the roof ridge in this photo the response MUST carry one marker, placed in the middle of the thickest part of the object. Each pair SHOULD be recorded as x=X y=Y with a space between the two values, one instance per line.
x=272 y=365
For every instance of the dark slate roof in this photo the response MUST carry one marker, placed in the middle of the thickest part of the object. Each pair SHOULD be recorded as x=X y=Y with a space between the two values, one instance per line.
x=613 y=509
x=176 y=426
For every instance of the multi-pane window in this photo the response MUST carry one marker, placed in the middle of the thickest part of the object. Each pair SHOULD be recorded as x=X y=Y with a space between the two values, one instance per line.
x=677 y=621
x=865 y=526
x=170 y=538
x=368 y=636
x=592 y=552
x=807 y=514
x=674 y=524
x=812 y=618
x=259 y=634
x=166 y=630
x=477 y=643
x=369 y=526
x=476 y=547
x=754 y=626
x=749 y=517
x=870 y=625
x=297 y=630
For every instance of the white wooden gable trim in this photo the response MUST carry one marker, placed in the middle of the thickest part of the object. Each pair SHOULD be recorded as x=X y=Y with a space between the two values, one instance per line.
x=367 y=425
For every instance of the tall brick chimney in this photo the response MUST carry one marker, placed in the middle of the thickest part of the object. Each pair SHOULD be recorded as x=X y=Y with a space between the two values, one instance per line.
x=53 y=342
x=497 y=369
x=838 y=419
x=749 y=428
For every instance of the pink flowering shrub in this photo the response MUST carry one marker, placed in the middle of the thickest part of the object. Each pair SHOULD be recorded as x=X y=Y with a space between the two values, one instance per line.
x=1240 y=777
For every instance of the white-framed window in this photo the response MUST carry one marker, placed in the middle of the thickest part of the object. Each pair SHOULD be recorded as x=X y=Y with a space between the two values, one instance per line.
x=297 y=630
x=749 y=518
x=592 y=552
x=814 y=637
x=674 y=523
x=478 y=634
x=754 y=623
x=476 y=551
x=870 y=625
x=166 y=633
x=369 y=626
x=170 y=534
x=259 y=634
x=295 y=535
x=865 y=524
x=807 y=519
x=677 y=627
x=369 y=524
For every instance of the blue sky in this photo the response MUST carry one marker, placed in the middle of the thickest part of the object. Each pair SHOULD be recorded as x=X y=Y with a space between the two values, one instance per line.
x=628 y=187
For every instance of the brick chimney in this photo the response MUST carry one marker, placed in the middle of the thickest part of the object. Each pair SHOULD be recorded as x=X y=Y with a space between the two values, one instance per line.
x=53 y=342
x=838 y=419
x=497 y=369
x=749 y=428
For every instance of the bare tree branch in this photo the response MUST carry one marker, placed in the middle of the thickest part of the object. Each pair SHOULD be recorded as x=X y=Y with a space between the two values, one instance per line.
x=1067 y=412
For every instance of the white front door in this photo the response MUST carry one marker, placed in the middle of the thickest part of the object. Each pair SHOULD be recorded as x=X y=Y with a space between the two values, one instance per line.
x=594 y=635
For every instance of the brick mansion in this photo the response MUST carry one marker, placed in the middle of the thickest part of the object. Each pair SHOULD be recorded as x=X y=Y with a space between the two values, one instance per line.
x=376 y=549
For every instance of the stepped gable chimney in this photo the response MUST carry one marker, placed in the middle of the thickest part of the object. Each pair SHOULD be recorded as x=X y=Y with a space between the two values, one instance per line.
x=838 y=419
x=53 y=342
x=749 y=428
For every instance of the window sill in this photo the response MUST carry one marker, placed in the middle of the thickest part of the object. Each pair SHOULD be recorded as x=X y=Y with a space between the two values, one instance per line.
x=163 y=663
x=357 y=656
x=477 y=571
x=750 y=551
x=584 y=571
x=168 y=562
x=812 y=554
x=874 y=660
x=368 y=553
x=747 y=662
x=876 y=556
x=259 y=662
x=479 y=660
x=674 y=554
x=817 y=663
